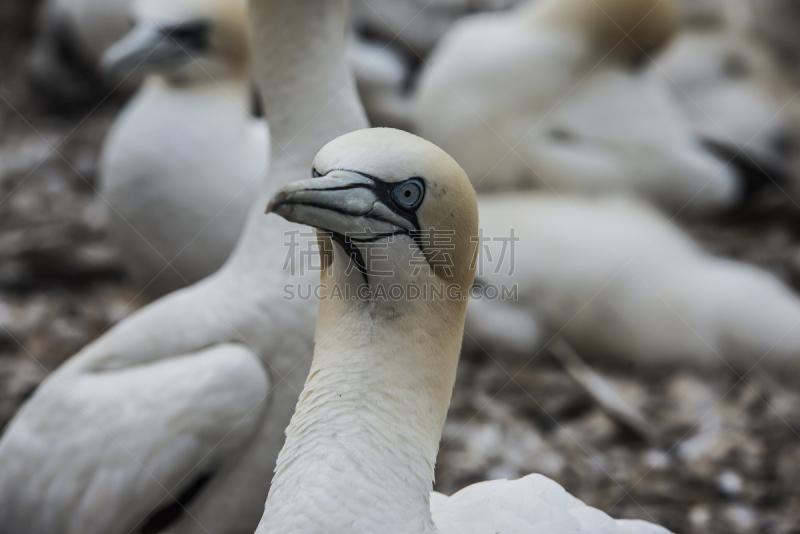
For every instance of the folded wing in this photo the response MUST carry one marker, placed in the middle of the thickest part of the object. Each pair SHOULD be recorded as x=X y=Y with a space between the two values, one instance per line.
x=112 y=451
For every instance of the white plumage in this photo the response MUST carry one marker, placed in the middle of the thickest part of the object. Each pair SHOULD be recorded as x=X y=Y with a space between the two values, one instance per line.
x=547 y=96
x=619 y=281
x=533 y=502
x=361 y=448
x=184 y=160
x=180 y=169
x=141 y=411
x=128 y=438
x=735 y=94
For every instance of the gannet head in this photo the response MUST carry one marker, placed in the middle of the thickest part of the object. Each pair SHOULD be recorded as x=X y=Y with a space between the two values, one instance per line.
x=388 y=190
x=621 y=28
x=183 y=40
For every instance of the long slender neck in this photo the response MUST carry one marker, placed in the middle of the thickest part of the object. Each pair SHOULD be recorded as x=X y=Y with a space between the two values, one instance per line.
x=309 y=98
x=361 y=448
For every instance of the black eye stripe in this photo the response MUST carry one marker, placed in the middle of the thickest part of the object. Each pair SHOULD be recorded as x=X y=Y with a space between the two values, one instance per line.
x=387 y=192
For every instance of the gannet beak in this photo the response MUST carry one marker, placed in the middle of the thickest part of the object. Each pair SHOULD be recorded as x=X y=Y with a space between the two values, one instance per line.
x=343 y=202
x=149 y=45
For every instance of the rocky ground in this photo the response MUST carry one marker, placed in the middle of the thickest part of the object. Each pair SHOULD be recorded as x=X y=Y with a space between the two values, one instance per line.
x=725 y=459
x=61 y=282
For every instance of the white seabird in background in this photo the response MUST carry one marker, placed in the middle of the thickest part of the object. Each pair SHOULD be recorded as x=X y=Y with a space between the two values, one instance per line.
x=551 y=95
x=184 y=160
x=174 y=418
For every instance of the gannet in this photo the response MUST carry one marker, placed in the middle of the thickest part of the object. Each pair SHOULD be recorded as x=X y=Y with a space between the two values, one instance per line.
x=361 y=447
x=140 y=419
x=620 y=282
x=184 y=160
x=735 y=95
x=550 y=95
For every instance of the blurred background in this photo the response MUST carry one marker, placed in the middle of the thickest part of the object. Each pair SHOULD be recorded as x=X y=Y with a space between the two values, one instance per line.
x=726 y=456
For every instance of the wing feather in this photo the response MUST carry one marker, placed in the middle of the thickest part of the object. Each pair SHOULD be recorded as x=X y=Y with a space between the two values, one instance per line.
x=99 y=452
x=530 y=504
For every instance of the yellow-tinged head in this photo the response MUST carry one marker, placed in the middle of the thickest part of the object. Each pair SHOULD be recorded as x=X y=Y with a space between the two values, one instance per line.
x=184 y=39
x=393 y=190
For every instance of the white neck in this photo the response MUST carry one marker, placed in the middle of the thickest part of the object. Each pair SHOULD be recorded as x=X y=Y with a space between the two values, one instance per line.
x=309 y=98
x=361 y=448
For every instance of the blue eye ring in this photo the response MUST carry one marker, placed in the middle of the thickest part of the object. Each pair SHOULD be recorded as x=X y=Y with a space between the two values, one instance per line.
x=409 y=194
x=315 y=173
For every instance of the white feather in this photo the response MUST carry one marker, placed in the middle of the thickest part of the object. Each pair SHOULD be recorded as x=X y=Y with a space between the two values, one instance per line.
x=182 y=382
x=180 y=169
x=620 y=281
x=534 y=105
x=530 y=504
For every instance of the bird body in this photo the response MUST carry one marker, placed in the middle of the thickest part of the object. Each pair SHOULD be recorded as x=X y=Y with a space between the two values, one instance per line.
x=545 y=97
x=161 y=429
x=180 y=168
x=235 y=327
x=184 y=160
x=621 y=282
x=361 y=448
x=735 y=94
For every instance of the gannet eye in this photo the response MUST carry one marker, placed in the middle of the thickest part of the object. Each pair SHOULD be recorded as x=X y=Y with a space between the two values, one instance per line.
x=315 y=173
x=409 y=194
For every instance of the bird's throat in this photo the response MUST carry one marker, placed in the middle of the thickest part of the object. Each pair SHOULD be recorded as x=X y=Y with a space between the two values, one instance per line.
x=366 y=432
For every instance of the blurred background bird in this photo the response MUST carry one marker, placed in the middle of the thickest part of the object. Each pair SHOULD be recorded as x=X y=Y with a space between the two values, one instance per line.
x=185 y=145
x=637 y=165
x=135 y=424
x=737 y=97
x=556 y=101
